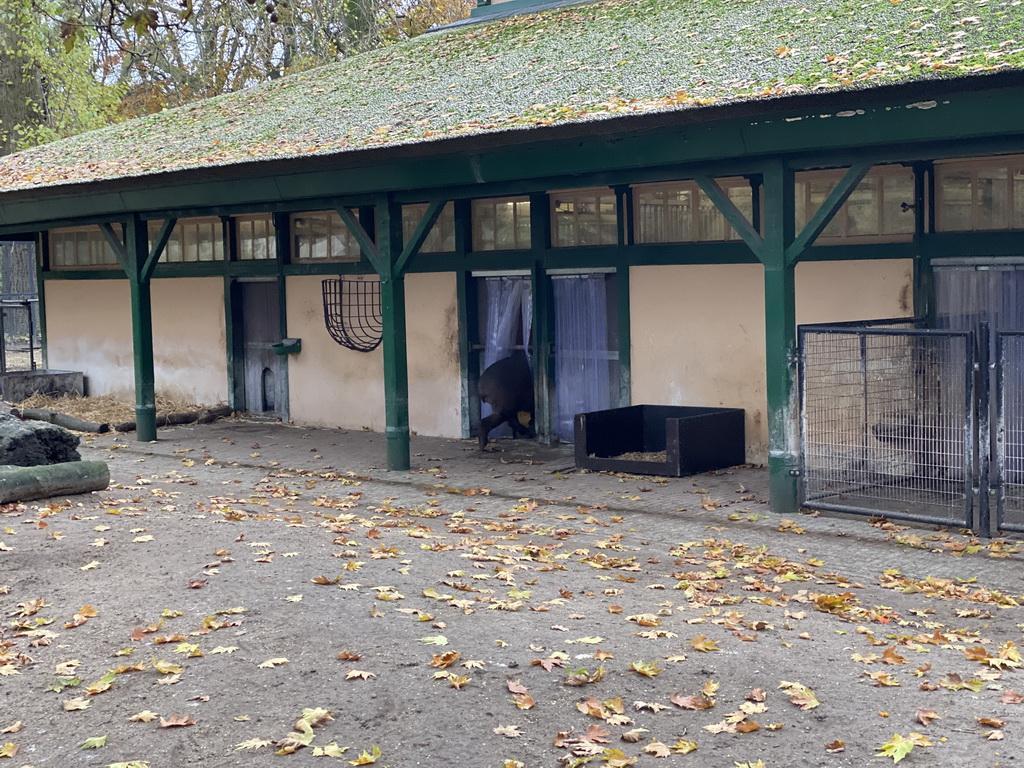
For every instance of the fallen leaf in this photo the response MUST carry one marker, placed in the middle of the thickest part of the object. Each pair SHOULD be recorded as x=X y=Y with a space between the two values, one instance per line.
x=272 y=663
x=176 y=721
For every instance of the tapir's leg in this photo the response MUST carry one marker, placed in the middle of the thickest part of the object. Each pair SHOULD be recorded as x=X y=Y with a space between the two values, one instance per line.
x=487 y=423
x=518 y=428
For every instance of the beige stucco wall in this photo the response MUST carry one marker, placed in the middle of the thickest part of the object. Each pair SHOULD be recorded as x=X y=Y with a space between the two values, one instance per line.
x=697 y=338
x=832 y=291
x=330 y=385
x=697 y=332
x=89 y=329
x=190 y=338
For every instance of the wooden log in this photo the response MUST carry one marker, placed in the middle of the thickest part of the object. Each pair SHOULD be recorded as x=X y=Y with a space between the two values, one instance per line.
x=60 y=419
x=48 y=480
x=205 y=416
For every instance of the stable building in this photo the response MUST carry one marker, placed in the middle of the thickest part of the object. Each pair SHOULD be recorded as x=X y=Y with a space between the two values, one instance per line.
x=648 y=197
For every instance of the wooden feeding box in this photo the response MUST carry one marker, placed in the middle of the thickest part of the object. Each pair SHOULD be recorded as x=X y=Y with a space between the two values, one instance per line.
x=665 y=440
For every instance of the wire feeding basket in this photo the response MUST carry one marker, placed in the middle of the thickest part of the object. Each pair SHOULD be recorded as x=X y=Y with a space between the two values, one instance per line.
x=352 y=313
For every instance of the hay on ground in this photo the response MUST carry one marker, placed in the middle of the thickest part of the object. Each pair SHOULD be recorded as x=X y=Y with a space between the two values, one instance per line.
x=104 y=409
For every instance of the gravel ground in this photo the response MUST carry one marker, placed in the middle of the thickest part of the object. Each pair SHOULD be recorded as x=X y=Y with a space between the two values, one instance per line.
x=238 y=581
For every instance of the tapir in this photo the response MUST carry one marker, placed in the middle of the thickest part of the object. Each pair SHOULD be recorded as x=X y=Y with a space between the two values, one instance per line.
x=507 y=386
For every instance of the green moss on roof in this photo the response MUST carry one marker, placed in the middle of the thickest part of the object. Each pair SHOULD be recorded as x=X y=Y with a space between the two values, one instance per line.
x=571 y=64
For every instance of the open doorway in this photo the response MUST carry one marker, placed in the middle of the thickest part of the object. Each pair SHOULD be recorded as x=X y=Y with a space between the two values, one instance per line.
x=582 y=345
x=264 y=385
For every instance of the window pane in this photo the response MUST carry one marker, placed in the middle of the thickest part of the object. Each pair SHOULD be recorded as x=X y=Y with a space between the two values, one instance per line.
x=522 y=209
x=897 y=191
x=441 y=238
x=955 y=214
x=500 y=224
x=245 y=238
x=992 y=202
x=862 y=208
x=712 y=223
x=743 y=198
x=817 y=191
x=584 y=218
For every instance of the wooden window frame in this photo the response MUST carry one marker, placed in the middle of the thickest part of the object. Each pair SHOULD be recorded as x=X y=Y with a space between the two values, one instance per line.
x=1010 y=163
x=335 y=226
x=697 y=196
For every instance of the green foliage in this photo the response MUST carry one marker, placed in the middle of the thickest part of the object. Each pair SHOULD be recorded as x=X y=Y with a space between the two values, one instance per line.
x=60 y=90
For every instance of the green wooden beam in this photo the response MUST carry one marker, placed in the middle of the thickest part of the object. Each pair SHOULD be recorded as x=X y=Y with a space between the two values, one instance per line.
x=419 y=236
x=137 y=255
x=625 y=344
x=388 y=221
x=42 y=264
x=158 y=248
x=370 y=250
x=118 y=245
x=542 y=339
x=780 y=339
x=924 y=285
x=732 y=214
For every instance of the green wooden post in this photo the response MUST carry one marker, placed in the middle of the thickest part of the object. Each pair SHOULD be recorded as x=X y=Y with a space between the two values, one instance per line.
x=779 y=248
x=391 y=259
x=780 y=338
x=136 y=239
x=139 y=261
x=924 y=216
x=543 y=331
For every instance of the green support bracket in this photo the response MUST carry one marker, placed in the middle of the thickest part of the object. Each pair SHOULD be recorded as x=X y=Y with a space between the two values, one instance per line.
x=732 y=214
x=832 y=203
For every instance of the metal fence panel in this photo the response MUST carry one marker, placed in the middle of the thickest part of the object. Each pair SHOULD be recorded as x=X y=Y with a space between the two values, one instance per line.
x=888 y=421
x=1009 y=431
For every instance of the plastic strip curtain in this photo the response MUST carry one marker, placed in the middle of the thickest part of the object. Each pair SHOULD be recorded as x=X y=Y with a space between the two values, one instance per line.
x=509 y=310
x=583 y=364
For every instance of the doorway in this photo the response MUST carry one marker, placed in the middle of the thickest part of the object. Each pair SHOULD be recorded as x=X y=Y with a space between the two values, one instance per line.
x=264 y=386
x=581 y=344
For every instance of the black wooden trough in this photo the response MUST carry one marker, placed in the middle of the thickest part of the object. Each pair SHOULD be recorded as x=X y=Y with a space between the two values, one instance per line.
x=694 y=439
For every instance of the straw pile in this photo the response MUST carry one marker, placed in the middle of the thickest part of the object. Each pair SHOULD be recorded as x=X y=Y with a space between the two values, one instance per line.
x=104 y=409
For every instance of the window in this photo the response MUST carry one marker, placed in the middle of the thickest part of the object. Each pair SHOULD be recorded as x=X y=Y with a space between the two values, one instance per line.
x=880 y=206
x=583 y=217
x=323 y=236
x=81 y=247
x=192 y=240
x=442 y=235
x=256 y=237
x=501 y=224
x=980 y=194
x=679 y=212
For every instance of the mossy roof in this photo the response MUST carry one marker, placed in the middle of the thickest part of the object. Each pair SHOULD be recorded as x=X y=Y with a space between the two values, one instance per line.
x=578 y=63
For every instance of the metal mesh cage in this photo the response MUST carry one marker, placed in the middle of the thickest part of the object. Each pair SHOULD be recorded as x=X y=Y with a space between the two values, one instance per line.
x=888 y=421
x=352 y=313
x=1009 y=430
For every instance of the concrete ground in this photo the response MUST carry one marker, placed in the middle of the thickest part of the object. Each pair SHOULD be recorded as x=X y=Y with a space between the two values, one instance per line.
x=240 y=580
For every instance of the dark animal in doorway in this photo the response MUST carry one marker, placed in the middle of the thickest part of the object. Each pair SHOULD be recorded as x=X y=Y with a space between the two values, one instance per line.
x=507 y=386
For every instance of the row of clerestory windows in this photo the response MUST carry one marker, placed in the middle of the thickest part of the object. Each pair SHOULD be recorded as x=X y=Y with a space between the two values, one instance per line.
x=970 y=195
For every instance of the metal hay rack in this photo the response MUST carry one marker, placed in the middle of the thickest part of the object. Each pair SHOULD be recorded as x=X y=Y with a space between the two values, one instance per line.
x=352 y=313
